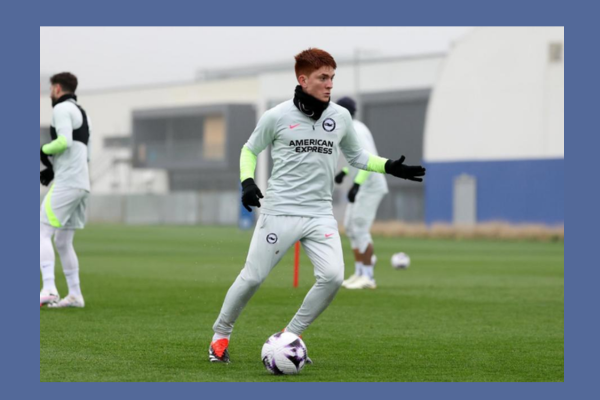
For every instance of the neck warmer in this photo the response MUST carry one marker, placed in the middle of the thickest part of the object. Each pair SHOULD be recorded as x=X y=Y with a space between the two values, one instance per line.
x=64 y=98
x=309 y=105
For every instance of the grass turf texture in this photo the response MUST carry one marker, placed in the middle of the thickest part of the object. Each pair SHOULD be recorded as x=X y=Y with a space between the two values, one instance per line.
x=463 y=311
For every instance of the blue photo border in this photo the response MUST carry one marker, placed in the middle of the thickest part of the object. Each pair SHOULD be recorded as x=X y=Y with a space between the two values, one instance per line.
x=21 y=327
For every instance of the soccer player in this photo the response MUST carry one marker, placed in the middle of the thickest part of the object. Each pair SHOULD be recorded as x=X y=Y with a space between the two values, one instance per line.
x=364 y=197
x=306 y=134
x=63 y=208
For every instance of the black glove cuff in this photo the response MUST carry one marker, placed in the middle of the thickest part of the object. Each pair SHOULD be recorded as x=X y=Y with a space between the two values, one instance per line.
x=248 y=182
x=388 y=167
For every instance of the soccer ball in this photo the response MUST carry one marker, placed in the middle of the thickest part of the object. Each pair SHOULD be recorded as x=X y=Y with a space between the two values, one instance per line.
x=400 y=261
x=284 y=354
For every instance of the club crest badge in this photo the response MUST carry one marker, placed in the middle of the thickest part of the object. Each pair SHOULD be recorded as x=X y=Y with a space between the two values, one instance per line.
x=272 y=238
x=329 y=125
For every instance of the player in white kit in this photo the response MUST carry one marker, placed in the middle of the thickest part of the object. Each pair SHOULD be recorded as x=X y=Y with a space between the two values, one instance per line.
x=306 y=135
x=63 y=209
x=364 y=198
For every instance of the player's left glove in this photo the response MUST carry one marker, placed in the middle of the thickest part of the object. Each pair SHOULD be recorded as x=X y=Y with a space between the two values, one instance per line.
x=352 y=193
x=339 y=178
x=399 y=170
x=250 y=194
x=45 y=160
x=46 y=176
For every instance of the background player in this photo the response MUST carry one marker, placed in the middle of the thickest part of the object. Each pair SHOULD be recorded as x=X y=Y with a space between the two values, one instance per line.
x=306 y=135
x=364 y=198
x=63 y=208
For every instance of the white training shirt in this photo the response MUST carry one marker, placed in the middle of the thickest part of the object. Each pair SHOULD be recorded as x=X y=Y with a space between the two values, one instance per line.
x=305 y=154
x=70 y=166
x=375 y=182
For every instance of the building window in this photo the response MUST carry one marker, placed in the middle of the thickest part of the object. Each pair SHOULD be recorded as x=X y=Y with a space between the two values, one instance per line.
x=180 y=139
x=184 y=143
x=214 y=138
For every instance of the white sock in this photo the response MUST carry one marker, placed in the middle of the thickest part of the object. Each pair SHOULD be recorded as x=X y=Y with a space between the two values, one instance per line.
x=48 y=277
x=64 y=245
x=47 y=258
x=358 y=268
x=73 y=282
x=218 y=336
x=368 y=271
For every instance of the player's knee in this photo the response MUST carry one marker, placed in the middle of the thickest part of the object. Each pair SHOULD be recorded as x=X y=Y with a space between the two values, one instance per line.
x=333 y=278
x=361 y=223
x=62 y=242
x=337 y=281
x=350 y=233
x=253 y=280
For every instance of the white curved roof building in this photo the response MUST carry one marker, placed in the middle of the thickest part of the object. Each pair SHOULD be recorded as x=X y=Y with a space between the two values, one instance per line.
x=494 y=137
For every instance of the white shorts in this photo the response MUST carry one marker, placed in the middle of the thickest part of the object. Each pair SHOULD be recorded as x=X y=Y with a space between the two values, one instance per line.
x=359 y=218
x=275 y=234
x=64 y=208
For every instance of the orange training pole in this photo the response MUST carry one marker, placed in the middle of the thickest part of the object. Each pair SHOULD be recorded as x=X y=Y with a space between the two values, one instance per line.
x=296 y=264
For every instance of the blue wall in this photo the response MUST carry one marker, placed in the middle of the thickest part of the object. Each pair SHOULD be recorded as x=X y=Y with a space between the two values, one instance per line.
x=513 y=191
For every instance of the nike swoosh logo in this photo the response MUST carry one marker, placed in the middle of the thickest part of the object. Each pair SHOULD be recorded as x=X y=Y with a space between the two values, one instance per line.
x=328 y=235
x=294 y=126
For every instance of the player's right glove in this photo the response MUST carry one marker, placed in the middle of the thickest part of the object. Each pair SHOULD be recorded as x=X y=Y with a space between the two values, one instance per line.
x=410 y=172
x=250 y=194
x=46 y=176
x=339 y=178
x=352 y=193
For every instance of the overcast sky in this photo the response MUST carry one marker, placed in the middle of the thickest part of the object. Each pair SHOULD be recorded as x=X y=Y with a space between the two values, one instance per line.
x=119 y=57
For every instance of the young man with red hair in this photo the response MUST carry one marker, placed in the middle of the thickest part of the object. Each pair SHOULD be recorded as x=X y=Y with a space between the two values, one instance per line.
x=306 y=134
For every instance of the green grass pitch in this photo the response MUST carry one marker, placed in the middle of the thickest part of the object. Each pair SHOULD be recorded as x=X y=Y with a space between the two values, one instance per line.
x=464 y=311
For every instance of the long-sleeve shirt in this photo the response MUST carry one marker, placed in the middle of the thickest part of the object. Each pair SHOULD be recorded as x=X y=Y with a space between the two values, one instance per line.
x=305 y=154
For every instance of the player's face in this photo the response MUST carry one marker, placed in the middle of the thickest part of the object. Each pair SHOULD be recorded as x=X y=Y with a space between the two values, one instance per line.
x=54 y=92
x=319 y=84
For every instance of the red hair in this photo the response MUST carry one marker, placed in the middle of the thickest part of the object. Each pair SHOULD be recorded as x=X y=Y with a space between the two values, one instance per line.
x=311 y=60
